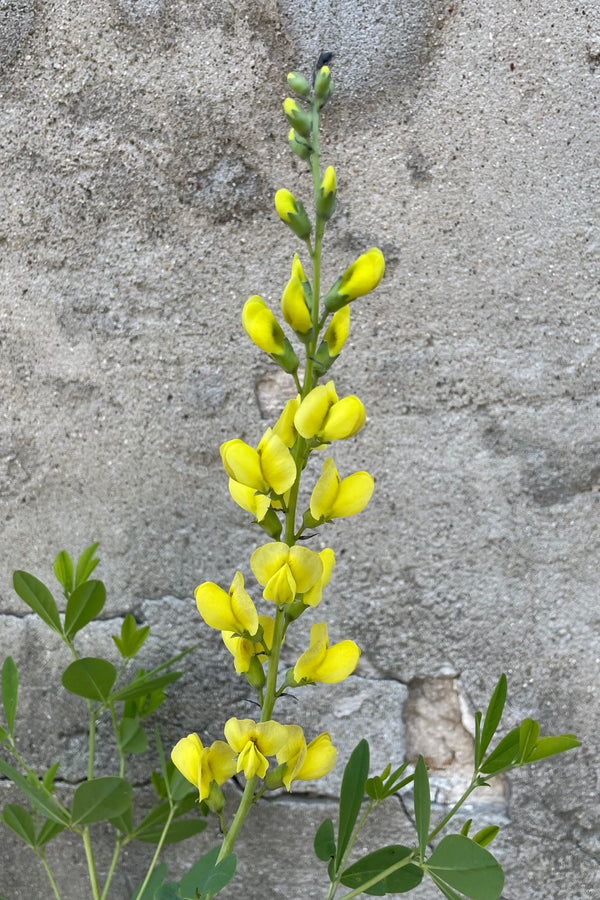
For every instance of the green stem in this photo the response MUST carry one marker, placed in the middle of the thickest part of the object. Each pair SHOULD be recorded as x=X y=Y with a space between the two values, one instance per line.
x=271 y=685
x=113 y=866
x=49 y=874
x=454 y=810
x=379 y=877
x=159 y=847
x=92 y=740
x=89 y=855
x=242 y=811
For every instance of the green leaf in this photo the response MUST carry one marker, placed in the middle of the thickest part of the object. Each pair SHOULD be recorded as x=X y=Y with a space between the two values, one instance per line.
x=131 y=638
x=352 y=794
x=90 y=677
x=179 y=830
x=86 y=564
x=156 y=879
x=207 y=877
x=466 y=827
x=399 y=882
x=324 y=843
x=48 y=779
x=504 y=756
x=3 y=737
x=529 y=733
x=35 y=794
x=132 y=737
x=124 y=821
x=48 y=831
x=549 y=746
x=10 y=691
x=63 y=569
x=467 y=867
x=374 y=788
x=99 y=799
x=167 y=891
x=446 y=890
x=145 y=685
x=19 y=820
x=38 y=598
x=486 y=835
x=422 y=803
x=492 y=717
x=84 y=604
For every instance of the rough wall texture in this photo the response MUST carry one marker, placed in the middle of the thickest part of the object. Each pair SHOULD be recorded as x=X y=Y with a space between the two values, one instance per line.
x=141 y=143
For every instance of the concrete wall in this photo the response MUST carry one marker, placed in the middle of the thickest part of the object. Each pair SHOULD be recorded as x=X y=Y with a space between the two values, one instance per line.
x=141 y=144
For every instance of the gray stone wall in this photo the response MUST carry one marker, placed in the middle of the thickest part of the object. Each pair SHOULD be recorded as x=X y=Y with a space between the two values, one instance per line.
x=141 y=145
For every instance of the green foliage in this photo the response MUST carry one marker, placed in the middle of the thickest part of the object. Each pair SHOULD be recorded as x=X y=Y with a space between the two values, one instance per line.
x=422 y=805
x=466 y=866
x=375 y=864
x=10 y=691
x=38 y=598
x=100 y=798
x=90 y=677
x=132 y=637
x=352 y=795
x=84 y=604
x=63 y=569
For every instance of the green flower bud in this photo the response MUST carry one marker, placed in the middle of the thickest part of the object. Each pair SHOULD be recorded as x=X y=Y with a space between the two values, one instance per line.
x=298 y=147
x=360 y=278
x=274 y=777
x=271 y=523
x=298 y=119
x=326 y=199
x=216 y=798
x=298 y=84
x=255 y=674
x=323 y=86
x=292 y=213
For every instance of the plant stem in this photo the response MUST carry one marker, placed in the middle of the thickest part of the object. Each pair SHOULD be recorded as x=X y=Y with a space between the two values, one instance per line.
x=379 y=877
x=89 y=855
x=454 y=810
x=49 y=874
x=113 y=866
x=242 y=811
x=92 y=740
x=156 y=853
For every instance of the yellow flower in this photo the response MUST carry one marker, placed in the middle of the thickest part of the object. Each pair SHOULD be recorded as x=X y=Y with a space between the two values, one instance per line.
x=284 y=427
x=362 y=276
x=297 y=118
x=322 y=415
x=285 y=571
x=248 y=499
x=269 y=467
x=262 y=327
x=324 y=663
x=305 y=762
x=312 y=597
x=203 y=765
x=328 y=185
x=233 y=611
x=337 y=331
x=253 y=742
x=293 y=305
x=333 y=497
x=244 y=650
x=326 y=200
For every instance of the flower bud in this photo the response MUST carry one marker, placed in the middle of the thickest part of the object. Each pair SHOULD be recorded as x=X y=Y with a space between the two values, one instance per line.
x=298 y=84
x=323 y=86
x=326 y=199
x=298 y=119
x=292 y=213
x=255 y=675
x=298 y=146
x=295 y=308
x=360 y=278
x=261 y=326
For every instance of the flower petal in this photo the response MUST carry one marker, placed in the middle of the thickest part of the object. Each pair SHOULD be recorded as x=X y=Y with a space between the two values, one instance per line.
x=353 y=495
x=325 y=491
x=277 y=463
x=345 y=418
x=320 y=759
x=186 y=757
x=242 y=463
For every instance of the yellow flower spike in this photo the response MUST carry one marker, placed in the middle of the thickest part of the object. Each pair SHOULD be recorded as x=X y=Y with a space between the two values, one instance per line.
x=262 y=327
x=312 y=597
x=360 y=278
x=333 y=497
x=244 y=650
x=233 y=611
x=285 y=571
x=253 y=742
x=293 y=306
x=338 y=330
x=324 y=663
x=248 y=499
x=322 y=415
x=203 y=765
x=284 y=428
